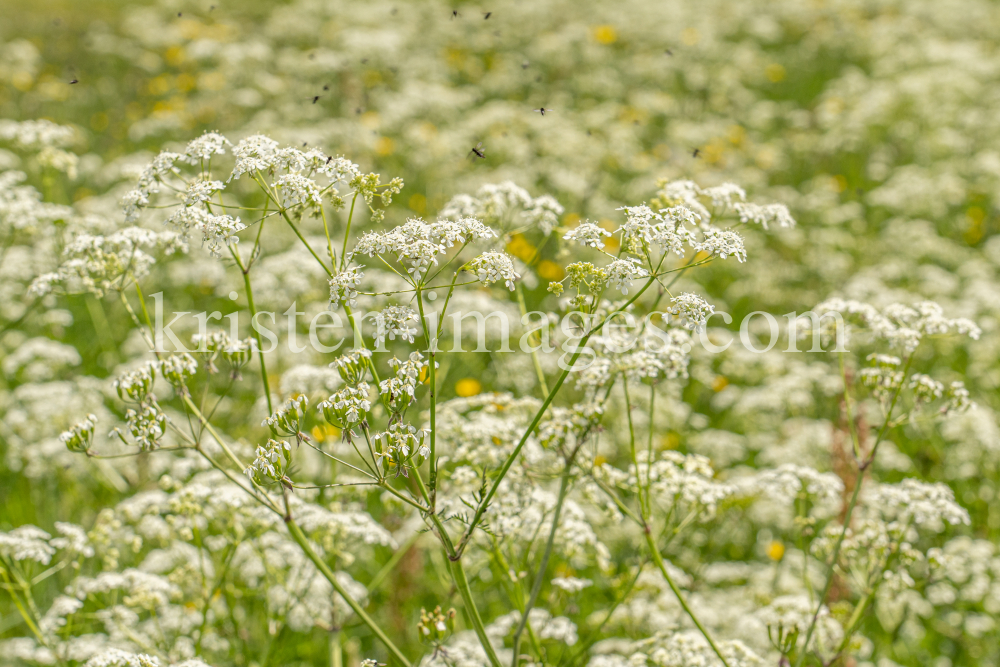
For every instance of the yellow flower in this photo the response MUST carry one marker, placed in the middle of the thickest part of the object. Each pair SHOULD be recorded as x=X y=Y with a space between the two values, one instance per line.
x=605 y=34
x=468 y=387
x=550 y=270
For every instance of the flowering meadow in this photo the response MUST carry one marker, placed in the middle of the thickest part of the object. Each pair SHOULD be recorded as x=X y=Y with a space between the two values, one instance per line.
x=505 y=334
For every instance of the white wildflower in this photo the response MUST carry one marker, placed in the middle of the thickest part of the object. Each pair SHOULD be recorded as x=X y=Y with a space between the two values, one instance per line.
x=588 y=234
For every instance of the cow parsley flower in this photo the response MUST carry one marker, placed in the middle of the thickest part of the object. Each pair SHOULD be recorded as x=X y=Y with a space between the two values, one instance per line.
x=201 y=191
x=571 y=584
x=297 y=189
x=132 y=204
x=27 y=543
x=147 y=425
x=135 y=385
x=623 y=271
x=205 y=146
x=640 y=222
x=683 y=192
x=692 y=310
x=725 y=196
x=220 y=231
x=286 y=421
x=398 y=392
x=958 y=400
x=722 y=242
x=399 y=443
x=764 y=215
x=393 y=321
x=152 y=175
x=353 y=366
x=493 y=266
x=253 y=154
x=924 y=504
x=272 y=462
x=79 y=438
x=344 y=286
x=73 y=540
x=114 y=657
x=588 y=234
x=543 y=212
x=177 y=368
x=348 y=407
x=925 y=388
x=34 y=135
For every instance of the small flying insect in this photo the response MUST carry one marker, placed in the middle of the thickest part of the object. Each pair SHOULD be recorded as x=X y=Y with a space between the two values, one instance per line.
x=542 y=110
x=487 y=15
x=326 y=87
x=75 y=80
x=315 y=99
x=696 y=152
x=179 y=14
x=328 y=158
x=454 y=14
x=478 y=151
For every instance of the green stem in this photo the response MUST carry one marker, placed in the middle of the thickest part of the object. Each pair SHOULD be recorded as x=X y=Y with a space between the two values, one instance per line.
x=859 y=611
x=303 y=542
x=432 y=380
x=649 y=446
x=20 y=608
x=312 y=252
x=371 y=363
x=534 y=351
x=850 y=413
x=253 y=315
x=536 y=586
x=484 y=503
x=329 y=243
x=462 y=583
x=347 y=234
x=393 y=561
x=658 y=559
x=458 y=574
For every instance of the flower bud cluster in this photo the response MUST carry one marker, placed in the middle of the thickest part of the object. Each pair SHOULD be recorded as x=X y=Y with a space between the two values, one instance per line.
x=237 y=353
x=286 y=421
x=348 y=407
x=400 y=443
x=397 y=392
x=272 y=463
x=79 y=438
x=354 y=366
x=435 y=627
